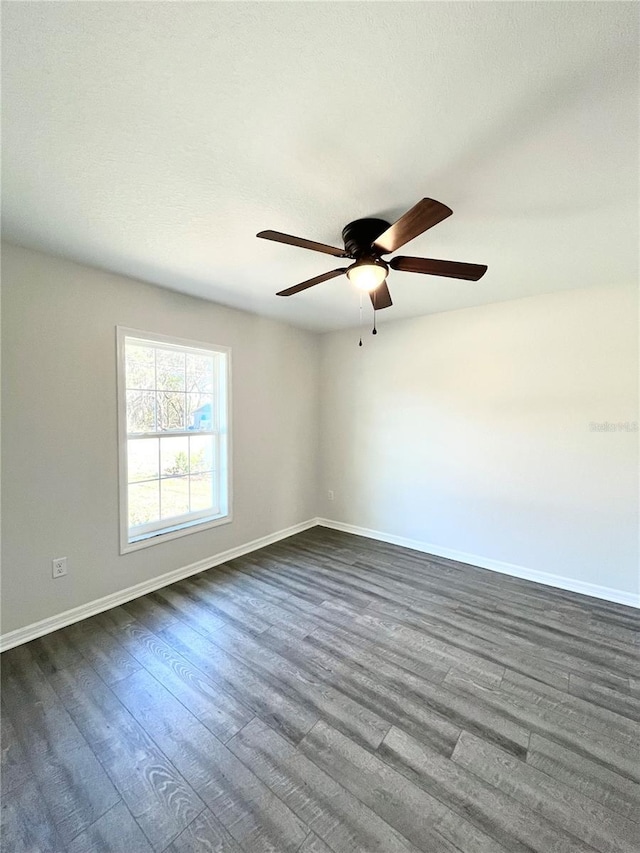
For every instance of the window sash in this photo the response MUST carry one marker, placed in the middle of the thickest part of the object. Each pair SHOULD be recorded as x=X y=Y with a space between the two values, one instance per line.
x=220 y=511
x=176 y=522
x=169 y=433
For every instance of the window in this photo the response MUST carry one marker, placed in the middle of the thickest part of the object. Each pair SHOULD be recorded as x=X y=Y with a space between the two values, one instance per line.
x=174 y=437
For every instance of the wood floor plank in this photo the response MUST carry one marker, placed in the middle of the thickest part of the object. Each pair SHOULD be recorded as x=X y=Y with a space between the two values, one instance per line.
x=362 y=683
x=248 y=809
x=331 y=704
x=425 y=821
x=14 y=769
x=294 y=612
x=608 y=655
x=591 y=624
x=610 y=613
x=620 y=757
x=334 y=814
x=156 y=794
x=461 y=584
x=397 y=635
x=156 y=614
x=245 y=571
x=26 y=826
x=114 y=619
x=55 y=651
x=531 y=661
x=446 y=704
x=95 y=709
x=485 y=585
x=605 y=697
x=518 y=828
x=473 y=645
x=313 y=844
x=271 y=572
x=577 y=628
x=204 y=834
x=76 y=789
x=573 y=707
x=366 y=583
x=43 y=725
x=601 y=784
x=391 y=652
x=458 y=582
x=189 y=610
x=220 y=712
x=400 y=581
x=15 y=661
x=594 y=824
x=115 y=831
x=242 y=616
x=241 y=598
x=450 y=582
x=103 y=651
x=263 y=695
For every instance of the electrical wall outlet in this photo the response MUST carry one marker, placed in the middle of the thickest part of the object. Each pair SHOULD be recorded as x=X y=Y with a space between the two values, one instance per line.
x=58 y=567
x=330 y=494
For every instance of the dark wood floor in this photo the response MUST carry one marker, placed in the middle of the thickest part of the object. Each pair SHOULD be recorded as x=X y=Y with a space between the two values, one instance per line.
x=329 y=693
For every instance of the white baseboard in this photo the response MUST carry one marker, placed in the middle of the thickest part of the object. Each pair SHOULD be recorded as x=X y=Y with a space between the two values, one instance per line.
x=569 y=584
x=77 y=614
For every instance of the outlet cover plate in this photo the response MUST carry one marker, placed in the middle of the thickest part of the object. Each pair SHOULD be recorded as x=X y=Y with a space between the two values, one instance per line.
x=58 y=567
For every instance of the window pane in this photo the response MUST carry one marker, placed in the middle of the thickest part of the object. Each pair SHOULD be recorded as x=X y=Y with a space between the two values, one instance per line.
x=174 y=456
x=199 y=373
x=142 y=459
x=200 y=411
x=175 y=496
x=201 y=453
x=141 y=411
x=170 y=411
x=141 y=371
x=203 y=492
x=144 y=503
x=170 y=370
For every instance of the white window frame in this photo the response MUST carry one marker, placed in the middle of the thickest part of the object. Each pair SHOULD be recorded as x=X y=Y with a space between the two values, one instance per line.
x=178 y=526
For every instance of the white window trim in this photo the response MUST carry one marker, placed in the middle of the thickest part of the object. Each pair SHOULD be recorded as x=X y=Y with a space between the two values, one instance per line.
x=192 y=525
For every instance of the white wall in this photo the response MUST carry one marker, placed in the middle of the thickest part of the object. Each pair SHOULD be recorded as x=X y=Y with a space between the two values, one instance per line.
x=60 y=466
x=469 y=431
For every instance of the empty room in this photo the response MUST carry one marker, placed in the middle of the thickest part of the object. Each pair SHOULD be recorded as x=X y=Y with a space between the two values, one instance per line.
x=320 y=449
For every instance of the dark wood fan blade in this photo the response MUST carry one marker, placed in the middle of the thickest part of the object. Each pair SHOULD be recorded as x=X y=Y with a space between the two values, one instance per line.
x=429 y=266
x=311 y=282
x=278 y=237
x=422 y=216
x=380 y=297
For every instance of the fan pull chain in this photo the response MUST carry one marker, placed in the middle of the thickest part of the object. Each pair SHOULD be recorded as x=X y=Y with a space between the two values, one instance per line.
x=374 y=331
x=360 y=344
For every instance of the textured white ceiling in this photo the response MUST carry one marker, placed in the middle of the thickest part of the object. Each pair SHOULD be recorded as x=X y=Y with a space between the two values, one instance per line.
x=156 y=139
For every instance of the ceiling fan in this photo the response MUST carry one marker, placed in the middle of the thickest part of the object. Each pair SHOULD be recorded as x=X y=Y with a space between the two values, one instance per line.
x=366 y=240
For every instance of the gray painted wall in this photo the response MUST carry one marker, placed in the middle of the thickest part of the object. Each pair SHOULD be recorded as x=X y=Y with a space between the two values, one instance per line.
x=59 y=437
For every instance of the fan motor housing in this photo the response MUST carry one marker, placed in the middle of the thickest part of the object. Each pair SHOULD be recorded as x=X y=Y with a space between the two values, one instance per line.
x=360 y=234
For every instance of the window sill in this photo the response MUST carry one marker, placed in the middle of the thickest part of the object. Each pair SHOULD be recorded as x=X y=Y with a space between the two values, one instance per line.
x=148 y=539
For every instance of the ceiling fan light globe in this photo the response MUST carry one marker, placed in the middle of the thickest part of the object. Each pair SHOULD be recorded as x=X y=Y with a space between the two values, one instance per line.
x=367 y=276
